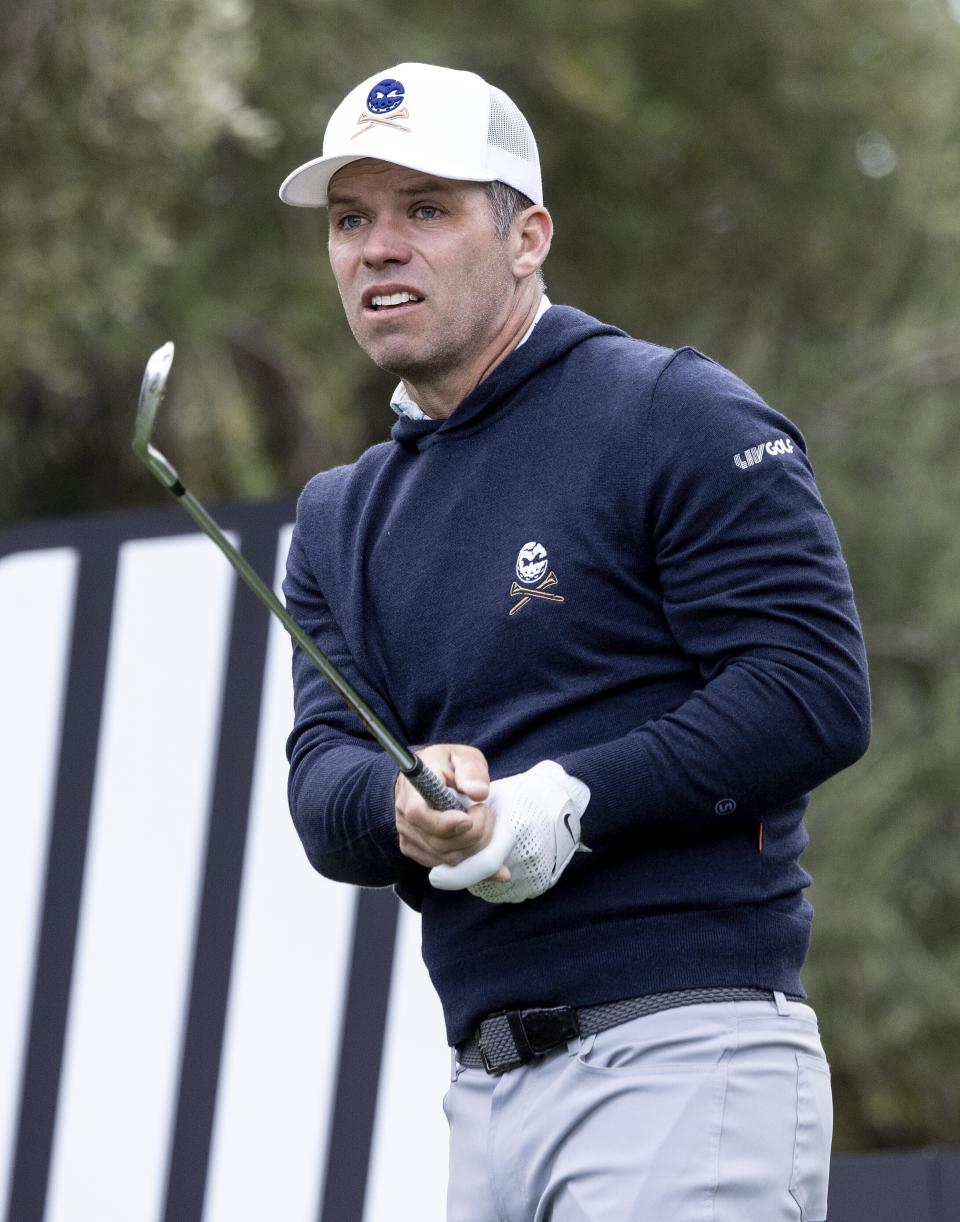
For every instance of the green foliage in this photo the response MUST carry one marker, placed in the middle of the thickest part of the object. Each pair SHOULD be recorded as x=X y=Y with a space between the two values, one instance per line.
x=775 y=183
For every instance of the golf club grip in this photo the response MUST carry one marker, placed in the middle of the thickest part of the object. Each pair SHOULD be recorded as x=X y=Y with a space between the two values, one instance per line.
x=437 y=795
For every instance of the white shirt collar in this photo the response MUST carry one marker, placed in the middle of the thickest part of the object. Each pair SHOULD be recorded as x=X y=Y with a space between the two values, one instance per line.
x=403 y=405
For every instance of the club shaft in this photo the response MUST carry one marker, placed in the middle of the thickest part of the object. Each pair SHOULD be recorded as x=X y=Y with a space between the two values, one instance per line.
x=424 y=779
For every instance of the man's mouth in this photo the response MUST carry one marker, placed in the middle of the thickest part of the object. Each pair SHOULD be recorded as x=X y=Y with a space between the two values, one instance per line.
x=389 y=301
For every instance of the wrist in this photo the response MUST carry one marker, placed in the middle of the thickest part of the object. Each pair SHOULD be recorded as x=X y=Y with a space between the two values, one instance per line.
x=553 y=773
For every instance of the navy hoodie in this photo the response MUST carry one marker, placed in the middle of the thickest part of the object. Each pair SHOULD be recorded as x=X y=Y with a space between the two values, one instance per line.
x=698 y=663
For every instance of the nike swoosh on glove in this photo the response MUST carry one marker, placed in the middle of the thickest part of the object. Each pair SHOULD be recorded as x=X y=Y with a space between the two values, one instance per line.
x=537 y=832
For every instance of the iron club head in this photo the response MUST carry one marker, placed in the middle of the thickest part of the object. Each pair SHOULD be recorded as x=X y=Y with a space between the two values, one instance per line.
x=151 y=394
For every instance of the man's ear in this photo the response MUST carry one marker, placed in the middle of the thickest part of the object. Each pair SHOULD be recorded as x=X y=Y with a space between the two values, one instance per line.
x=532 y=233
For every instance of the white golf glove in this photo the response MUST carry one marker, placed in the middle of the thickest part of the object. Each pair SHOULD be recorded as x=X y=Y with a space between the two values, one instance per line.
x=536 y=833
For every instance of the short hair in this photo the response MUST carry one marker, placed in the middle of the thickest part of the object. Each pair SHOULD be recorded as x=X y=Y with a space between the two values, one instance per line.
x=506 y=204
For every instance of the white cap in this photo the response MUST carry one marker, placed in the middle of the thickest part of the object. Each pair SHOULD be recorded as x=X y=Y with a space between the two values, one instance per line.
x=438 y=120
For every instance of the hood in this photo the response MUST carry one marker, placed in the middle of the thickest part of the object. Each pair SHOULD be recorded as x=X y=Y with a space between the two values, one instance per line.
x=560 y=330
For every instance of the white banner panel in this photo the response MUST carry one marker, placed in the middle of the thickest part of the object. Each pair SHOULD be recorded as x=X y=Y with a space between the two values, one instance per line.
x=36 y=618
x=408 y=1163
x=281 y=1043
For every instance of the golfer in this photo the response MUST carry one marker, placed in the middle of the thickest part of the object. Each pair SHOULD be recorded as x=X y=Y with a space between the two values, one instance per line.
x=594 y=578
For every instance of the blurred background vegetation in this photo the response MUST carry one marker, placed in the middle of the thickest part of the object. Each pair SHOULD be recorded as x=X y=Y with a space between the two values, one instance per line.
x=775 y=183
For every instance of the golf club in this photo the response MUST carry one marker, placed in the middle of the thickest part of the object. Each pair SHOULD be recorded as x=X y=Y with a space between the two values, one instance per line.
x=424 y=779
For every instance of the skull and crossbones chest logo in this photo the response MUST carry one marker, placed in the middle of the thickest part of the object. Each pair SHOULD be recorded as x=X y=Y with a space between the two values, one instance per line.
x=536 y=578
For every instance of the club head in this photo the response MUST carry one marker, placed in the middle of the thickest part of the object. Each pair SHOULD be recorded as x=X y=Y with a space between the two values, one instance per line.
x=151 y=394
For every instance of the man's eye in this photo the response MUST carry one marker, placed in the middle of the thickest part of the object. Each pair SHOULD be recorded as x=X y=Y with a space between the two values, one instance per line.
x=428 y=212
x=351 y=221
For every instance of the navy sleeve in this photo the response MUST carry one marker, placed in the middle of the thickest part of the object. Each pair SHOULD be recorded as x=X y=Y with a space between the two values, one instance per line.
x=341 y=783
x=756 y=593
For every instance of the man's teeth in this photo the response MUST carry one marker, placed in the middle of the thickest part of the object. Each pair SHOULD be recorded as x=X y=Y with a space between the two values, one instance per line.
x=393 y=299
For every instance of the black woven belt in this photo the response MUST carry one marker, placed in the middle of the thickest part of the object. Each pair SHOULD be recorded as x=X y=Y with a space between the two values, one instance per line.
x=514 y=1037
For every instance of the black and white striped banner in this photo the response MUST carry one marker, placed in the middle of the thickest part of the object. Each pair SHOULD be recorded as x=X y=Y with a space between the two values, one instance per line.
x=194 y=1024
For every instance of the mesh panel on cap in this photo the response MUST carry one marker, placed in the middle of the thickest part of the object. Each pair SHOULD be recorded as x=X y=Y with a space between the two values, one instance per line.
x=507 y=128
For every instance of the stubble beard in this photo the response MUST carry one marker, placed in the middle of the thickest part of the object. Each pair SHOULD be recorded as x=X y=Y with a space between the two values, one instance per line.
x=432 y=357
x=456 y=344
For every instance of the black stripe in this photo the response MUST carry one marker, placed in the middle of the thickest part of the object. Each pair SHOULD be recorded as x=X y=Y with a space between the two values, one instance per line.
x=128 y=525
x=63 y=883
x=361 y=1050
x=226 y=840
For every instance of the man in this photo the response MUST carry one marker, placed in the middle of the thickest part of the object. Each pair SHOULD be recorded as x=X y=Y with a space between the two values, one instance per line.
x=598 y=571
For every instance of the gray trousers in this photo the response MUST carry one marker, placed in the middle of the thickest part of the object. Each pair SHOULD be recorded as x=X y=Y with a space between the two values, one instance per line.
x=707 y=1113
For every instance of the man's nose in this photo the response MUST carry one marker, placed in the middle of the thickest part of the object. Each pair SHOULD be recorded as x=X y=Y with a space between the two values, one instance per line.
x=384 y=243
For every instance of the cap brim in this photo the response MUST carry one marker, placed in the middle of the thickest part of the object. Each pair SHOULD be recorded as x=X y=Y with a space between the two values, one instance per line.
x=306 y=186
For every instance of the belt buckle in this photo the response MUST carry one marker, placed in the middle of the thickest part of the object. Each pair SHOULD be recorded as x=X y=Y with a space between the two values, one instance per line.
x=495 y=1068
x=545 y=1029
x=534 y=1033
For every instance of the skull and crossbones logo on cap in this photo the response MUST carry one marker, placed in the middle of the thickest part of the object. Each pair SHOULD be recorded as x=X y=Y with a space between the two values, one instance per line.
x=383 y=101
